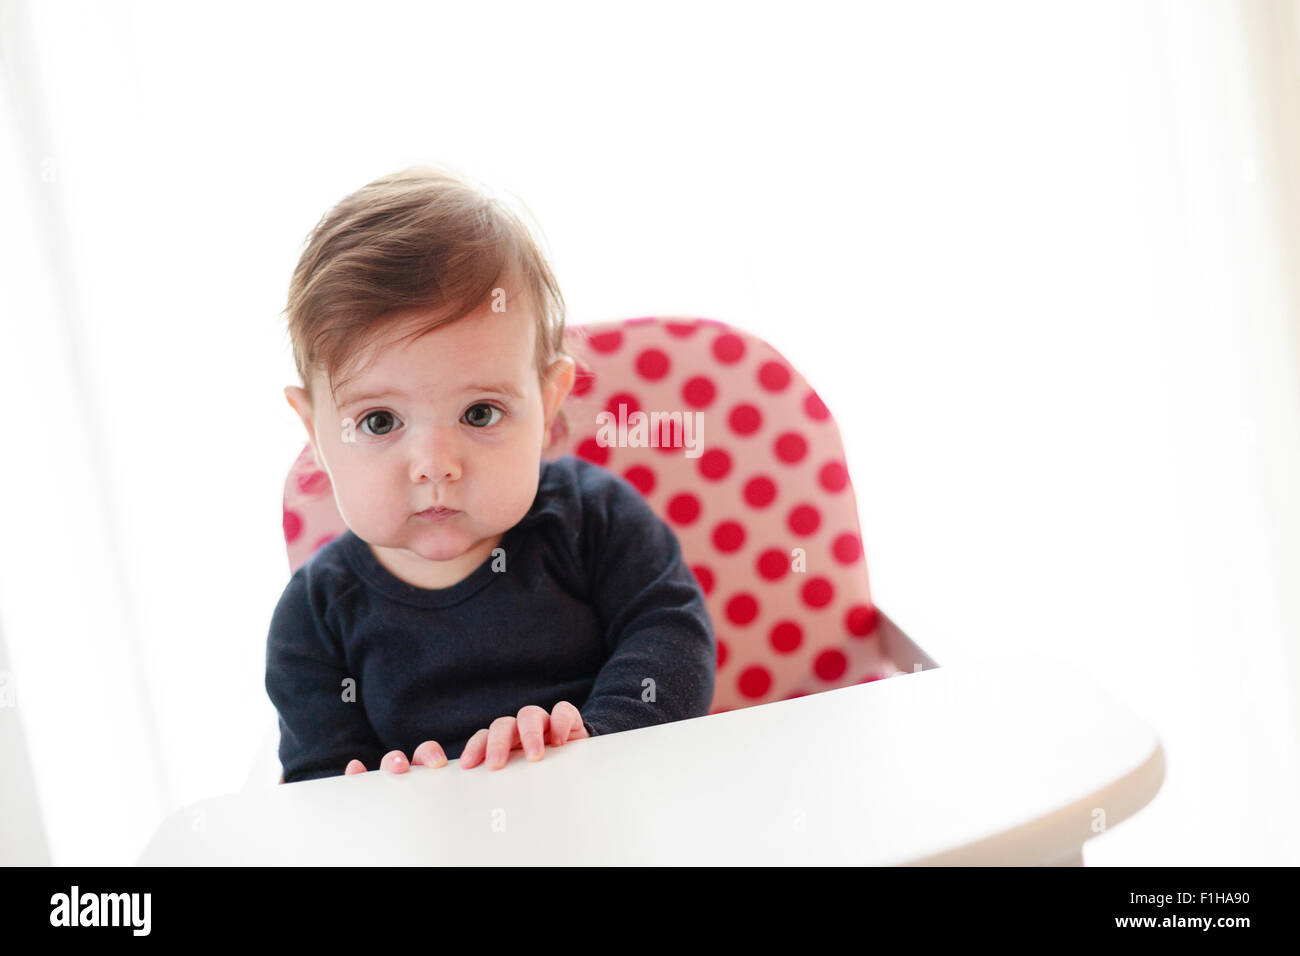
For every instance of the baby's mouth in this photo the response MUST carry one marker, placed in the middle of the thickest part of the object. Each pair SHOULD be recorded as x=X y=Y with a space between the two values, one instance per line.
x=438 y=512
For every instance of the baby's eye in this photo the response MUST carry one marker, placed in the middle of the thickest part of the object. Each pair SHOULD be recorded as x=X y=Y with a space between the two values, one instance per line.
x=477 y=419
x=378 y=423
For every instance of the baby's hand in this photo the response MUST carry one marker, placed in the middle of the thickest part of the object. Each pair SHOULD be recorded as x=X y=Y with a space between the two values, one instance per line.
x=529 y=730
x=428 y=753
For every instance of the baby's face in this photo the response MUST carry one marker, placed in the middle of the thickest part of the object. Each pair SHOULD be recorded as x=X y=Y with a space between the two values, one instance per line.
x=454 y=419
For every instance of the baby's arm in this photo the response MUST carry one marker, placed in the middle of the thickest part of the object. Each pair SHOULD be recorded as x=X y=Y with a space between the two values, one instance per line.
x=322 y=723
x=663 y=658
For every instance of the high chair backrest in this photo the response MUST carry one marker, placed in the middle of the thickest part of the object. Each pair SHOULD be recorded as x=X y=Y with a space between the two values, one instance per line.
x=762 y=505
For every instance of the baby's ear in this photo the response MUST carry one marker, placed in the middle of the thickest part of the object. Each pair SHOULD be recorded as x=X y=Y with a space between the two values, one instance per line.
x=558 y=382
x=300 y=401
x=559 y=378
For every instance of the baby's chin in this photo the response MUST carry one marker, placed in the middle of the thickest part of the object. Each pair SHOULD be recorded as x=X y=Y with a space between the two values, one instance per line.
x=441 y=551
x=442 y=542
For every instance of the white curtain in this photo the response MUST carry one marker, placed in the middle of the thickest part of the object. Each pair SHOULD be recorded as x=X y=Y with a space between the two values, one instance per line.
x=1040 y=260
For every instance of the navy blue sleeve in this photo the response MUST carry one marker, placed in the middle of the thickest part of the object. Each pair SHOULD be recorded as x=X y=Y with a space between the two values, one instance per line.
x=663 y=658
x=322 y=725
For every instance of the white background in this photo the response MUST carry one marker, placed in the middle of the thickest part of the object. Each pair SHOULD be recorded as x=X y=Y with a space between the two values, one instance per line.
x=1035 y=258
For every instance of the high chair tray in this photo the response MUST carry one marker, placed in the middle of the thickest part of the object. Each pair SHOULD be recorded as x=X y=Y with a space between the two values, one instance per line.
x=1009 y=761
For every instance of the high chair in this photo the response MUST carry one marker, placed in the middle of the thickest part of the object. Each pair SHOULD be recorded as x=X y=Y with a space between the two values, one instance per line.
x=988 y=762
x=763 y=507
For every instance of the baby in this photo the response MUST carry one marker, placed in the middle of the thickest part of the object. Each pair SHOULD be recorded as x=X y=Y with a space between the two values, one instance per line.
x=482 y=599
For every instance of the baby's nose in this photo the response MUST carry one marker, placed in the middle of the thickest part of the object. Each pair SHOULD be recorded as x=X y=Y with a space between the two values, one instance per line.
x=438 y=458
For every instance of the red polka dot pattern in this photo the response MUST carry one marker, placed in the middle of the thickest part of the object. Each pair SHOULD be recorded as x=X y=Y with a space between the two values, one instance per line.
x=760 y=491
x=729 y=536
x=814 y=408
x=745 y=419
x=684 y=508
x=705 y=577
x=583 y=380
x=791 y=447
x=728 y=348
x=314 y=483
x=861 y=620
x=742 y=609
x=699 y=392
x=766 y=476
x=754 y=682
x=593 y=451
x=818 y=592
x=786 y=637
x=641 y=478
x=833 y=476
x=847 y=548
x=773 y=376
x=831 y=664
x=627 y=401
x=606 y=341
x=652 y=364
x=715 y=464
x=804 y=520
x=311 y=518
x=773 y=564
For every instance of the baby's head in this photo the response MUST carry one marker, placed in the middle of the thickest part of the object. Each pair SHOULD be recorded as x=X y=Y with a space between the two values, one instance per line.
x=427 y=331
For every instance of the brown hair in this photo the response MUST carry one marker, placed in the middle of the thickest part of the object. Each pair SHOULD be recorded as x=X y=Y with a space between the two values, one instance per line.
x=422 y=237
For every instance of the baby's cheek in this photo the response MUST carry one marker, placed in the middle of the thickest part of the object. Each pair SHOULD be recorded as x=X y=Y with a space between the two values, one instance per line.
x=366 y=509
x=515 y=501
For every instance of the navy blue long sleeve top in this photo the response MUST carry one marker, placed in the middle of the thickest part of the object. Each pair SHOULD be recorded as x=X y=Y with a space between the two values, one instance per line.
x=589 y=601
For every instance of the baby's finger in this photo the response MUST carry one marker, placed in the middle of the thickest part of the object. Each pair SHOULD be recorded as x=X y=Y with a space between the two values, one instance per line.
x=474 y=750
x=430 y=754
x=355 y=766
x=532 y=724
x=503 y=737
x=394 y=762
x=566 y=724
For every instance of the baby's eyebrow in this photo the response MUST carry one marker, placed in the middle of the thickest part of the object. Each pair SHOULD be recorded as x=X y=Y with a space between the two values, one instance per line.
x=502 y=388
x=346 y=400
